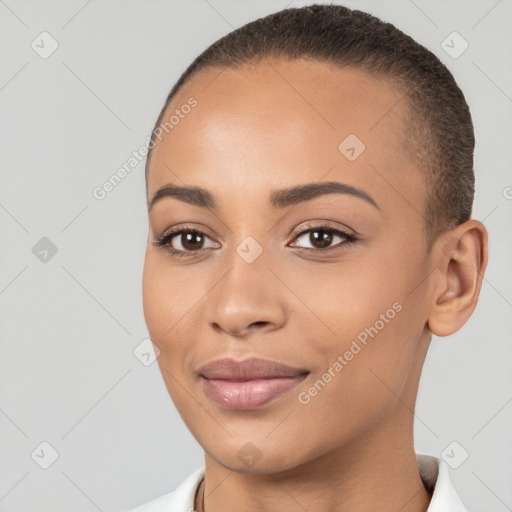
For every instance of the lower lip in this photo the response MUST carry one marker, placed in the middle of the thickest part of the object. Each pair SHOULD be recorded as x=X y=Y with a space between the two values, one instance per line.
x=250 y=394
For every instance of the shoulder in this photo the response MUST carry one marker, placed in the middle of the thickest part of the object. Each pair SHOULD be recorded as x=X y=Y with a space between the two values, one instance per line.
x=179 y=500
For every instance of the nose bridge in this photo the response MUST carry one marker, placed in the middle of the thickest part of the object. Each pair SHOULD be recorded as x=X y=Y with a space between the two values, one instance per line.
x=248 y=271
x=248 y=241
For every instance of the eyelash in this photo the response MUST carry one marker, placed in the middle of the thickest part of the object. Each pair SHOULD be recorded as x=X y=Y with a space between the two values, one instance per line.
x=164 y=240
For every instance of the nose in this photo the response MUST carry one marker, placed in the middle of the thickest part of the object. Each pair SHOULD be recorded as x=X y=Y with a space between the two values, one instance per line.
x=249 y=298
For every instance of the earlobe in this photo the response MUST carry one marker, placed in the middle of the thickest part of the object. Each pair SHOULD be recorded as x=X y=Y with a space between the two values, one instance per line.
x=460 y=260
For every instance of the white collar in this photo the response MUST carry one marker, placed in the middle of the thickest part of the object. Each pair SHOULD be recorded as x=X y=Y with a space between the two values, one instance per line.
x=435 y=475
x=433 y=471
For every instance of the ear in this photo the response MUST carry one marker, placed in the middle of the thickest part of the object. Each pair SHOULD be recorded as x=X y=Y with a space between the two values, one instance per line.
x=460 y=256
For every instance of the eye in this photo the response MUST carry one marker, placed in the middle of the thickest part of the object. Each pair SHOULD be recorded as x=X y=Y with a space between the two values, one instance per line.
x=183 y=242
x=322 y=237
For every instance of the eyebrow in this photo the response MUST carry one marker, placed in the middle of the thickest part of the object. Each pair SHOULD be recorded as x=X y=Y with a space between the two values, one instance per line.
x=279 y=199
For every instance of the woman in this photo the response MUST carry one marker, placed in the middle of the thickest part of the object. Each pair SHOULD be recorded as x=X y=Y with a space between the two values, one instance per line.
x=310 y=186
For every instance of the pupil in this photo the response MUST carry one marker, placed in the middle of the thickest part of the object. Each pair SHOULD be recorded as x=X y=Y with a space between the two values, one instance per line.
x=322 y=241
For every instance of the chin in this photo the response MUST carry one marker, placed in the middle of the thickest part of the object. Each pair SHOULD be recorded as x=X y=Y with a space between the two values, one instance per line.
x=255 y=456
x=263 y=466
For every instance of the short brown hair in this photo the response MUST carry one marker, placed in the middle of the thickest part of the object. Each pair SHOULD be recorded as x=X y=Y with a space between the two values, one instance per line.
x=440 y=130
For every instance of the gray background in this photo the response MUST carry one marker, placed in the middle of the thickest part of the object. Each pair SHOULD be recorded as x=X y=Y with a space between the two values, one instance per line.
x=69 y=325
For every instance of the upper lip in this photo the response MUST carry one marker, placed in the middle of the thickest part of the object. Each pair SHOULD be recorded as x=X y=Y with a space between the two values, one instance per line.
x=252 y=368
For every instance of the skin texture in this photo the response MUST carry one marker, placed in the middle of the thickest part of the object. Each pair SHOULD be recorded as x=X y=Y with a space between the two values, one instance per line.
x=269 y=126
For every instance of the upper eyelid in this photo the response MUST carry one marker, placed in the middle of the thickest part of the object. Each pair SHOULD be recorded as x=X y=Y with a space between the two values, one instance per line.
x=322 y=225
x=300 y=231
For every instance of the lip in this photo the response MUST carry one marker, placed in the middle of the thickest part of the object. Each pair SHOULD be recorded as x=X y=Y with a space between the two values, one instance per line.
x=250 y=383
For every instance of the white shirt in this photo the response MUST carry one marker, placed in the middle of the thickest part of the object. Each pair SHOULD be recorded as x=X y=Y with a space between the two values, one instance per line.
x=433 y=472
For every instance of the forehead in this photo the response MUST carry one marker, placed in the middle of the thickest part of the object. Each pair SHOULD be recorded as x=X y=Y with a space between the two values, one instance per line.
x=279 y=123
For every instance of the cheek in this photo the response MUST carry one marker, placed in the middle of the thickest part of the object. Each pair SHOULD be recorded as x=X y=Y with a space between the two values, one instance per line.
x=345 y=300
x=168 y=298
x=359 y=388
x=164 y=304
x=370 y=336
x=151 y=295
x=166 y=307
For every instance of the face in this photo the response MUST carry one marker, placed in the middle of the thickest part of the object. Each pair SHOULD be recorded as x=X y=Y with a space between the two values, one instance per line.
x=331 y=284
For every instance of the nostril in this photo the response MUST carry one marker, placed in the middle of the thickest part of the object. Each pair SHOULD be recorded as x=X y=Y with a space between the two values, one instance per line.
x=261 y=322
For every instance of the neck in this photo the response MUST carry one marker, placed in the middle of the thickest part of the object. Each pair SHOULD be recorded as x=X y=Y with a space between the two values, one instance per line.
x=377 y=471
